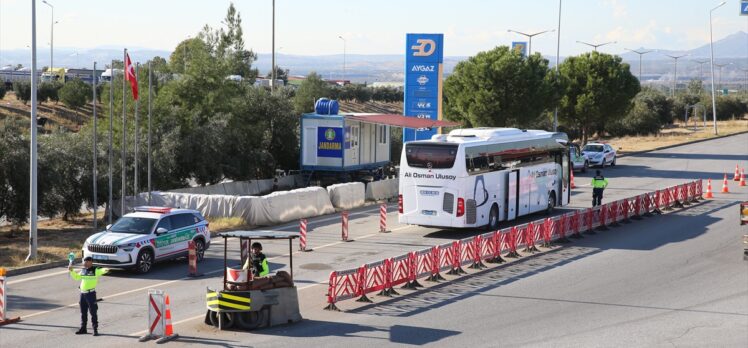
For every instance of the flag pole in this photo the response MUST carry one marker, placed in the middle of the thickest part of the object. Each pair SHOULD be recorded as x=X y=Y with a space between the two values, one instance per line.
x=150 y=92
x=95 y=176
x=137 y=132
x=111 y=117
x=124 y=134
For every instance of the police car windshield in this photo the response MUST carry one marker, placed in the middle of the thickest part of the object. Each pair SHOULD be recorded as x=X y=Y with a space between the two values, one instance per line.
x=136 y=225
x=593 y=148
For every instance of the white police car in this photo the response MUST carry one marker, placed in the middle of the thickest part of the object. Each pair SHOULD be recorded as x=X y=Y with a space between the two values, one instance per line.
x=150 y=234
x=599 y=154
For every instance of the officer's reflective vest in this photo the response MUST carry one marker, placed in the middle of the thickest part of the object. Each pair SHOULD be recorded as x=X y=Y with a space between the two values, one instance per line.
x=599 y=182
x=89 y=277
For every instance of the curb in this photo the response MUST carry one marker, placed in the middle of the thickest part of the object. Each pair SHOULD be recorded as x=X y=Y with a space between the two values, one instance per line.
x=39 y=267
x=680 y=144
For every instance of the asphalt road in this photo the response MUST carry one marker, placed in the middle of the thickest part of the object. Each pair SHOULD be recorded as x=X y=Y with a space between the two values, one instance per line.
x=676 y=279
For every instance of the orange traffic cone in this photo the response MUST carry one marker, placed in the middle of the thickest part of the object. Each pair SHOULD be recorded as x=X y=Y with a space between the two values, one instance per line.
x=709 y=193
x=742 y=177
x=724 y=186
x=736 y=177
x=572 y=180
x=169 y=330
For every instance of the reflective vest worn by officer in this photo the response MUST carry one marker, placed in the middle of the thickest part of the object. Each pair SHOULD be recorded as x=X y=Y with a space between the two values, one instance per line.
x=599 y=183
x=89 y=277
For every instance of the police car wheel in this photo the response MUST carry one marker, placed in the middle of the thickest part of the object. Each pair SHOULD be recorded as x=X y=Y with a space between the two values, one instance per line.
x=144 y=261
x=200 y=249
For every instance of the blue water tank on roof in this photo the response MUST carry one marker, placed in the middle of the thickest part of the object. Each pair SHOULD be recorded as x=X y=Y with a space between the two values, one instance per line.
x=325 y=106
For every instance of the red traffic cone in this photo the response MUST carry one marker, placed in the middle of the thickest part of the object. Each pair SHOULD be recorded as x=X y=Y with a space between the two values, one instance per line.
x=709 y=193
x=168 y=330
x=572 y=180
x=724 y=186
x=736 y=177
x=742 y=177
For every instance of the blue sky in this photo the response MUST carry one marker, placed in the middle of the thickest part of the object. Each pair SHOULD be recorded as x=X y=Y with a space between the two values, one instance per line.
x=374 y=27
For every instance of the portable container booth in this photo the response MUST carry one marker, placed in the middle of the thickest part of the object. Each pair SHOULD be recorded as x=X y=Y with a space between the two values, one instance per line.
x=332 y=142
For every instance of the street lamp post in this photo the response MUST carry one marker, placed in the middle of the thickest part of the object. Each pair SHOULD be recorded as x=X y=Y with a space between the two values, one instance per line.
x=341 y=37
x=52 y=37
x=711 y=49
x=701 y=69
x=675 y=72
x=529 y=37
x=272 y=74
x=720 y=66
x=595 y=46
x=558 y=47
x=640 y=53
x=32 y=156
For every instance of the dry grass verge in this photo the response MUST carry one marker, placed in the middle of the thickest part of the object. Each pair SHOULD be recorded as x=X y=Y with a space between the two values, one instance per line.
x=676 y=135
x=57 y=238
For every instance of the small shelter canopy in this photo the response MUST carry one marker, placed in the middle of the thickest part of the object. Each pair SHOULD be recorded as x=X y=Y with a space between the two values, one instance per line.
x=400 y=121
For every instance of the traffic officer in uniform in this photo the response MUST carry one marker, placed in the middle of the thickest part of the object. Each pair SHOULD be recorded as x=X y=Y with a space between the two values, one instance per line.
x=599 y=183
x=88 y=276
x=258 y=261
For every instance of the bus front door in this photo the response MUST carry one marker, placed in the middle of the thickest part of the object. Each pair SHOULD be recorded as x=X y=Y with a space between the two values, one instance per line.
x=512 y=195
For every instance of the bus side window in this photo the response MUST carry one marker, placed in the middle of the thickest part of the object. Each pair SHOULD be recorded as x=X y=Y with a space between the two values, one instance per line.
x=469 y=164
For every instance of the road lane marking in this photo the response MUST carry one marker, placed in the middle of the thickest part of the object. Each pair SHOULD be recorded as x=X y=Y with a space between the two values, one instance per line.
x=187 y=278
x=37 y=277
x=203 y=315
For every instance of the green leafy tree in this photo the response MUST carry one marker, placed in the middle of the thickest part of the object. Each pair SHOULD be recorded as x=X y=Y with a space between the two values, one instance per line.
x=14 y=172
x=280 y=73
x=2 y=92
x=22 y=89
x=75 y=93
x=598 y=89
x=311 y=89
x=499 y=88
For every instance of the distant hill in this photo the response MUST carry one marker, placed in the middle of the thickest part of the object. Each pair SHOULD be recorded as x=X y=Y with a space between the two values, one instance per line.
x=389 y=67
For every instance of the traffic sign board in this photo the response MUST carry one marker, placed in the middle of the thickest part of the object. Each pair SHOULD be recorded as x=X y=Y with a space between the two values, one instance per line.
x=744 y=8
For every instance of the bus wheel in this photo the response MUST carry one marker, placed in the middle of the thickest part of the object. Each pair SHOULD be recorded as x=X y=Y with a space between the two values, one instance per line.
x=493 y=219
x=551 y=203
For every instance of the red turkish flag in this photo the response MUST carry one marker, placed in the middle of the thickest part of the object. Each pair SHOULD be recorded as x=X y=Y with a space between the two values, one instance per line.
x=130 y=76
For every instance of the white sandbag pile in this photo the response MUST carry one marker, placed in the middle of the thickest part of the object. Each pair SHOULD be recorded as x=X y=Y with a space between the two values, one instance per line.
x=284 y=206
x=347 y=196
x=382 y=189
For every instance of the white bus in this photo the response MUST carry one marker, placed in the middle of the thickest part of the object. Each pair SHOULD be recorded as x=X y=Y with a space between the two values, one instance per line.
x=479 y=177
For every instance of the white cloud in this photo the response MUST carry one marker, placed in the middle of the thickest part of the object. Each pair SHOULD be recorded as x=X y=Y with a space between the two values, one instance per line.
x=619 y=10
x=645 y=35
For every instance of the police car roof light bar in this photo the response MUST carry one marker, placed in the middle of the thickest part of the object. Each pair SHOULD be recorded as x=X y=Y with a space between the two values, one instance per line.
x=161 y=210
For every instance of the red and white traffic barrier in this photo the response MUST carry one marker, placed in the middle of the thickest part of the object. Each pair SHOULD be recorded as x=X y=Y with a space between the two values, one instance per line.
x=383 y=218
x=344 y=226
x=302 y=232
x=382 y=276
x=192 y=259
x=159 y=318
x=4 y=320
x=244 y=251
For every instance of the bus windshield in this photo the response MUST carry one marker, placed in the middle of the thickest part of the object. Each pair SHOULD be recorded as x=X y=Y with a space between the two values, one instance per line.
x=433 y=156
